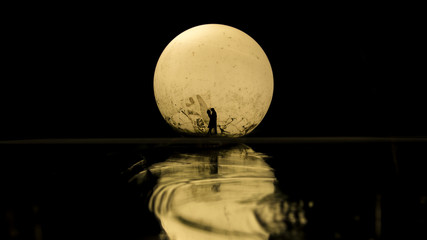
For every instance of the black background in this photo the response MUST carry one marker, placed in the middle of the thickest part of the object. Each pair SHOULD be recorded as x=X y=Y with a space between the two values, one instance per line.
x=88 y=72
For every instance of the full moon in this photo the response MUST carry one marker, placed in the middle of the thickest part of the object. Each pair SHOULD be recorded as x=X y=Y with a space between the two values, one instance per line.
x=213 y=66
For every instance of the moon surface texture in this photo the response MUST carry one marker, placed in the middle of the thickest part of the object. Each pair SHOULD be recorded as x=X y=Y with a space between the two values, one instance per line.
x=213 y=66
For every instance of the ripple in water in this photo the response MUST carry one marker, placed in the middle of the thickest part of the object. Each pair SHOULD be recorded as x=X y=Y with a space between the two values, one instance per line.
x=222 y=194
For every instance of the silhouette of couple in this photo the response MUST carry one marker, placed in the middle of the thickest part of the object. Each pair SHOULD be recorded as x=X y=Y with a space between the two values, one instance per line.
x=212 y=121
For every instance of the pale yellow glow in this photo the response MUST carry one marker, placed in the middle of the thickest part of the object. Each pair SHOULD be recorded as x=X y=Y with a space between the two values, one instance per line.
x=212 y=196
x=221 y=193
x=213 y=66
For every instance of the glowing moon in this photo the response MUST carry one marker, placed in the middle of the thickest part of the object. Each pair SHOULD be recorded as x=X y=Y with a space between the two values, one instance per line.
x=213 y=66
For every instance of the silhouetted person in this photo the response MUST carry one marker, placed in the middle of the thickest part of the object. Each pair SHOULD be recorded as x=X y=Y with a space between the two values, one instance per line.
x=212 y=121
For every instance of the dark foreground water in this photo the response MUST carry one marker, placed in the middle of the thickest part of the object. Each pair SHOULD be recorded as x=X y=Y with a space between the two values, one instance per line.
x=214 y=189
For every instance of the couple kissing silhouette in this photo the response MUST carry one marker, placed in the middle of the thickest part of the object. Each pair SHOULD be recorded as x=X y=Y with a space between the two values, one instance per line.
x=212 y=121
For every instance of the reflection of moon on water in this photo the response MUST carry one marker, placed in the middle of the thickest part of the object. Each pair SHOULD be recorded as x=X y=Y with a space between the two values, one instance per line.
x=220 y=194
x=213 y=66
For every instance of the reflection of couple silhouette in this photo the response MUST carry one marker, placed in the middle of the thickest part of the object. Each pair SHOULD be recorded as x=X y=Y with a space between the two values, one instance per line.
x=212 y=121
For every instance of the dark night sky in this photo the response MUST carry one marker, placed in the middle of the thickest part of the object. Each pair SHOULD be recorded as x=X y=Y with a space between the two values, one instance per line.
x=75 y=74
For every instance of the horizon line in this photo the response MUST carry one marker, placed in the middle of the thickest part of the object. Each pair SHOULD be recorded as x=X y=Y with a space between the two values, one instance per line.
x=213 y=140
